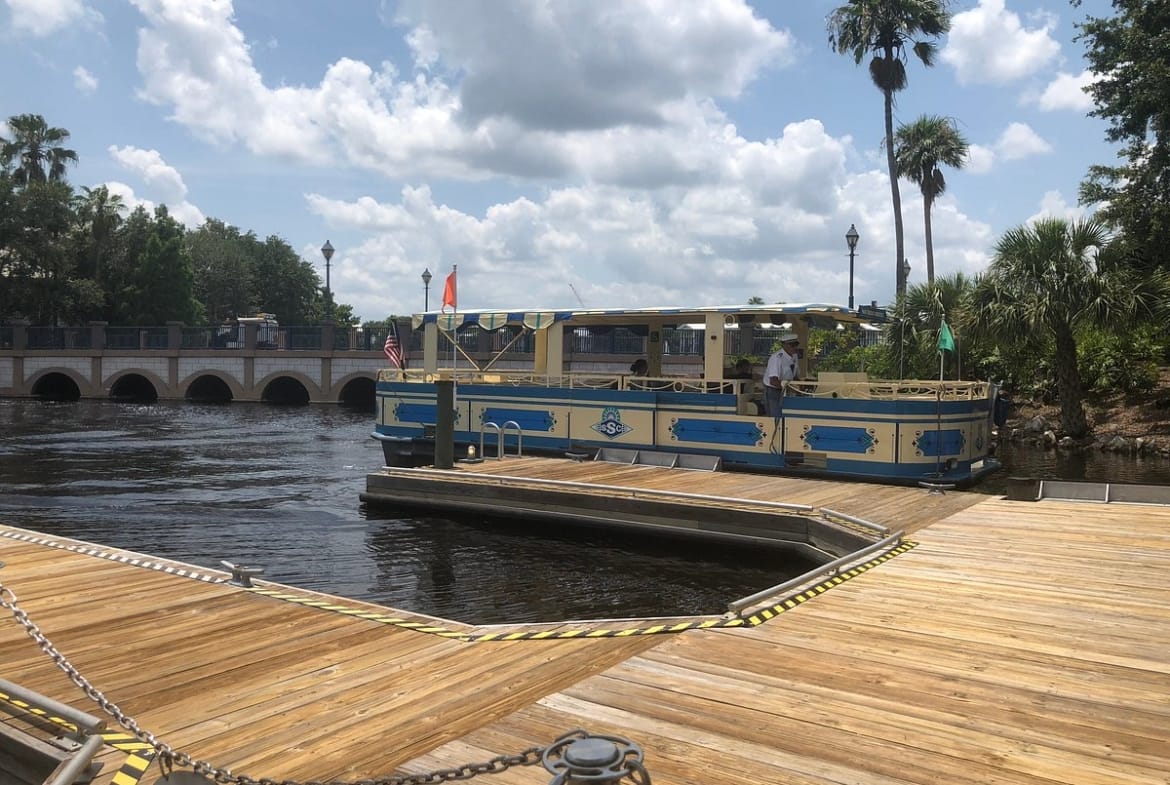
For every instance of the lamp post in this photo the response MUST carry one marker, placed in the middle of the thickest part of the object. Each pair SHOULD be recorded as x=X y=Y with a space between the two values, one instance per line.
x=327 y=252
x=851 y=237
x=426 y=276
x=905 y=272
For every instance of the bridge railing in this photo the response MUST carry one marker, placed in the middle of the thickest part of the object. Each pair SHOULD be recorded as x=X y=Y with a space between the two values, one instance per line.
x=58 y=338
x=136 y=338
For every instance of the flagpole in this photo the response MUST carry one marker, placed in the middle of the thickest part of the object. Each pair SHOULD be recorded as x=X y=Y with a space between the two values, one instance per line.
x=946 y=343
x=938 y=414
x=454 y=332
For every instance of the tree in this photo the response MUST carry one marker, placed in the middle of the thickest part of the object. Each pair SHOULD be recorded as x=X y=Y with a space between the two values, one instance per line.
x=99 y=214
x=288 y=285
x=1129 y=56
x=911 y=336
x=163 y=285
x=36 y=262
x=1049 y=280
x=919 y=149
x=222 y=265
x=884 y=28
x=755 y=300
x=36 y=150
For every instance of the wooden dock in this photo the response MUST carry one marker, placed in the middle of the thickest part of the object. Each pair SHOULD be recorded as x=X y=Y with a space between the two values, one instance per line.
x=1016 y=643
x=516 y=486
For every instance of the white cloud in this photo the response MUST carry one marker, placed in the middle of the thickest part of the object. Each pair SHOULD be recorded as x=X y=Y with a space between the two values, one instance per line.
x=719 y=243
x=989 y=45
x=44 y=17
x=84 y=81
x=162 y=179
x=552 y=104
x=1019 y=141
x=1067 y=91
x=154 y=171
x=1016 y=142
x=593 y=65
x=980 y=159
x=1053 y=205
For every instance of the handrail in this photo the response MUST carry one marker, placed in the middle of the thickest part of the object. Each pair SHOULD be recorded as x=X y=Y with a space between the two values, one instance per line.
x=735 y=606
x=85 y=722
x=501 y=432
x=71 y=769
x=499 y=439
x=878 y=390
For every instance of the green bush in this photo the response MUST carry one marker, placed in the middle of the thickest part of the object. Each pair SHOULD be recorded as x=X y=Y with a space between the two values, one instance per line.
x=1126 y=363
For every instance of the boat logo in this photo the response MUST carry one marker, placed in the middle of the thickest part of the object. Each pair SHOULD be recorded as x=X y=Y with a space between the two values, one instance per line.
x=611 y=424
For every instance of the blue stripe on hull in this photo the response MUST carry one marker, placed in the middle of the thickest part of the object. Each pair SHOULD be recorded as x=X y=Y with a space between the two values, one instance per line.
x=527 y=419
x=835 y=438
x=686 y=429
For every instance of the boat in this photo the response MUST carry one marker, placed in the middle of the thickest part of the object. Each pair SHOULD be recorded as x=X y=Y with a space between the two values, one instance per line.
x=560 y=382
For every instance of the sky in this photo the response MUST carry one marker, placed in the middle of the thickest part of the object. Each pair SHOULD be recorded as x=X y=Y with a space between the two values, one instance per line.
x=610 y=153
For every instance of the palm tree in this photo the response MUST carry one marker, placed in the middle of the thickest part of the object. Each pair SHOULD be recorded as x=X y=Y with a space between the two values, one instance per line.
x=920 y=148
x=99 y=214
x=35 y=148
x=917 y=318
x=1048 y=280
x=885 y=28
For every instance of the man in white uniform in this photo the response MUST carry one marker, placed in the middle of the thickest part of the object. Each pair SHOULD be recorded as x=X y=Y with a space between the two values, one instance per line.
x=783 y=367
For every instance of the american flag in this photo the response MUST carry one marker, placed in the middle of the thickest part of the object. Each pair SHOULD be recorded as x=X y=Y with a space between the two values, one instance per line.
x=393 y=348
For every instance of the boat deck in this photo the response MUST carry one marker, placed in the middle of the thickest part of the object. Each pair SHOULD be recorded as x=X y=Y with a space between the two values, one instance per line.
x=1018 y=642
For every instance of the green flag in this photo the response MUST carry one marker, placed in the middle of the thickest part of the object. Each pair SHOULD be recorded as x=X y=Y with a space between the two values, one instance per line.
x=946 y=342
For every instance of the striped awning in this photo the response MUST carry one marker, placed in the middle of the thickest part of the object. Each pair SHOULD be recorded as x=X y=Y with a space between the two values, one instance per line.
x=777 y=313
x=491 y=320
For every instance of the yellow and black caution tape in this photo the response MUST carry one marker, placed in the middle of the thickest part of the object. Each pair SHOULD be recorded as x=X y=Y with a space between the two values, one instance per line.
x=140 y=754
x=759 y=616
x=361 y=613
x=138 y=760
x=788 y=603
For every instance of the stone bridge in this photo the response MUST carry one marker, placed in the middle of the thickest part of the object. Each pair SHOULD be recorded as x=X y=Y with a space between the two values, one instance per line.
x=291 y=366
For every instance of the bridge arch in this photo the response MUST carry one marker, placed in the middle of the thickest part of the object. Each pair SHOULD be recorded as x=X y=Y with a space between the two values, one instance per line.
x=135 y=384
x=276 y=388
x=357 y=389
x=211 y=386
x=59 y=384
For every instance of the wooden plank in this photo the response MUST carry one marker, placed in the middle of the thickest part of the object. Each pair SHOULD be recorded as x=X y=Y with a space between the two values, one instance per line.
x=1017 y=643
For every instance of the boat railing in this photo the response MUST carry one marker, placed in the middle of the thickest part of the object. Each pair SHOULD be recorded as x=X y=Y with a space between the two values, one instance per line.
x=879 y=390
x=903 y=390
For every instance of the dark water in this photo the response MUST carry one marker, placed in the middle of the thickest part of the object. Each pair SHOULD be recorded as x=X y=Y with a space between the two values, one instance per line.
x=278 y=487
x=1088 y=466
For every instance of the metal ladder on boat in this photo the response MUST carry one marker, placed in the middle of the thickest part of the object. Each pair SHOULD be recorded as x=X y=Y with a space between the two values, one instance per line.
x=501 y=432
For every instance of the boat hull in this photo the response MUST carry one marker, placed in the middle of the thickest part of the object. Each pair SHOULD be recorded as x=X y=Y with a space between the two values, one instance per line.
x=902 y=440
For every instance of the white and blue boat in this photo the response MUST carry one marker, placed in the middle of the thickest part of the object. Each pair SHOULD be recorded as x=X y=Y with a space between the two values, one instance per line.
x=559 y=382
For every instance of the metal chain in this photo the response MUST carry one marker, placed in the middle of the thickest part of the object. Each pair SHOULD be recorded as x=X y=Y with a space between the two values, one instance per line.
x=168 y=757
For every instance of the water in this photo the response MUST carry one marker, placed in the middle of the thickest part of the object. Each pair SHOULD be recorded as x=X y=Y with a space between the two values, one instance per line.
x=1090 y=466
x=278 y=487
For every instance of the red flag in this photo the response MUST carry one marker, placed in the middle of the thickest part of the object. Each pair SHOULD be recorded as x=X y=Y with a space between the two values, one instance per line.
x=393 y=349
x=449 y=293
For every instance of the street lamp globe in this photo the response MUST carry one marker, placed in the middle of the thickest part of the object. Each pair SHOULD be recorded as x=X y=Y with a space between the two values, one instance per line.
x=426 y=279
x=851 y=238
x=327 y=252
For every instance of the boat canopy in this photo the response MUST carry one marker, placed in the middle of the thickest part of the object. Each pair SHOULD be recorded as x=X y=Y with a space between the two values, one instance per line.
x=816 y=314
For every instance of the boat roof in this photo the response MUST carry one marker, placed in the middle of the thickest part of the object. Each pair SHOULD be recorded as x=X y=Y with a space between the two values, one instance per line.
x=821 y=314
